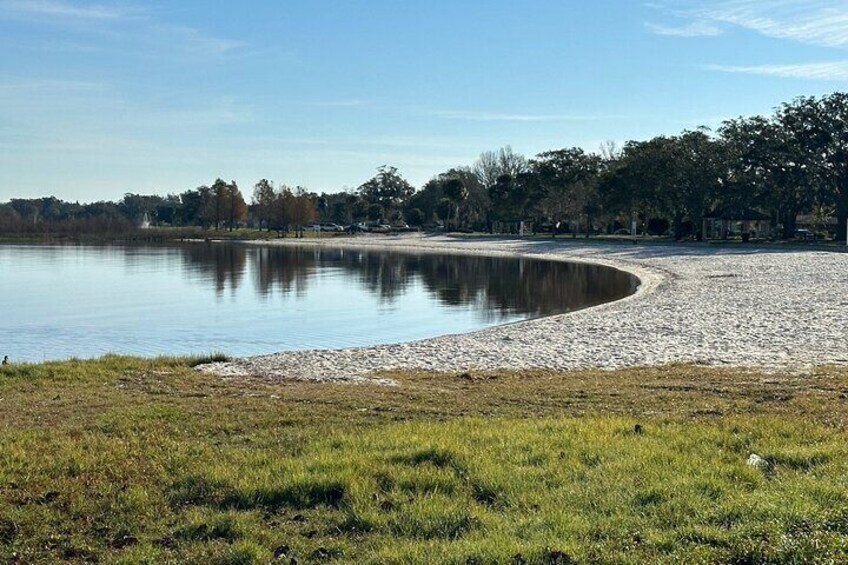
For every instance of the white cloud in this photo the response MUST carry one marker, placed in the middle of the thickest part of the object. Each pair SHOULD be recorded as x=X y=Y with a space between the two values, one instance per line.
x=692 y=29
x=814 y=22
x=122 y=24
x=810 y=71
x=31 y=9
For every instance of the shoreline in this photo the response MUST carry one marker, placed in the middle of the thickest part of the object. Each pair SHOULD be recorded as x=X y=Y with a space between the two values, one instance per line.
x=753 y=306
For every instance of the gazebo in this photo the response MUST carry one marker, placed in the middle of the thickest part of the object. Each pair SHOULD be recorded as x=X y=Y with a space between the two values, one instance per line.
x=726 y=224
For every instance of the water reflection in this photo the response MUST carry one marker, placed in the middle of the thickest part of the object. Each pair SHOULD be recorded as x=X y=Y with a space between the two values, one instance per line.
x=223 y=265
x=248 y=300
x=497 y=286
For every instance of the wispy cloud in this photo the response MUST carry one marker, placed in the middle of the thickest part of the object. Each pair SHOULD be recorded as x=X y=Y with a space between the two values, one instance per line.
x=474 y=116
x=691 y=29
x=810 y=71
x=42 y=87
x=121 y=24
x=31 y=9
x=814 y=22
x=197 y=42
x=823 y=23
x=353 y=103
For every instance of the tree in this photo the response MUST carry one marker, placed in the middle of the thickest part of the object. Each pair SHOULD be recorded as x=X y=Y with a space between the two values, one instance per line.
x=375 y=212
x=816 y=131
x=263 y=200
x=474 y=206
x=834 y=117
x=167 y=210
x=766 y=169
x=220 y=193
x=455 y=190
x=564 y=185
x=192 y=206
x=388 y=189
x=415 y=217
x=236 y=206
x=135 y=206
x=491 y=165
x=321 y=207
x=509 y=198
x=282 y=210
x=303 y=209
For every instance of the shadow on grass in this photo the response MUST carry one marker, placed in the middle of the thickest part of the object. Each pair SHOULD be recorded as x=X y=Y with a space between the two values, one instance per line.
x=201 y=491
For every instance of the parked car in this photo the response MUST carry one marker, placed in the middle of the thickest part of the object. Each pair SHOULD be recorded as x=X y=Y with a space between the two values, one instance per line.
x=378 y=227
x=358 y=227
x=803 y=233
x=331 y=227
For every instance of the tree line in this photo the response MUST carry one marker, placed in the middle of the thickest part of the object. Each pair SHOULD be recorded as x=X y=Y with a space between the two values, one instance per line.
x=790 y=164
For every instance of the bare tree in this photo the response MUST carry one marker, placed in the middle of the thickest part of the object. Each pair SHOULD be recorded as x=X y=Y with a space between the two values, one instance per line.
x=494 y=164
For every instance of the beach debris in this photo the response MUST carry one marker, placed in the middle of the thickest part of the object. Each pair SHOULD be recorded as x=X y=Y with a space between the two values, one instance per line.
x=755 y=460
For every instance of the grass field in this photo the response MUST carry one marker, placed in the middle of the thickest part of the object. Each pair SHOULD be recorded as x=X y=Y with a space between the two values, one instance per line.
x=124 y=460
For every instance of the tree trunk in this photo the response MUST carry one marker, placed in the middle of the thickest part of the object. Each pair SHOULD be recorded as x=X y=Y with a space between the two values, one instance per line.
x=678 y=227
x=841 y=219
x=790 y=220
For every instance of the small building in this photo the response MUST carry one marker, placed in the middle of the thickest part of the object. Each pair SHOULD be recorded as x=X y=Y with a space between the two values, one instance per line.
x=724 y=224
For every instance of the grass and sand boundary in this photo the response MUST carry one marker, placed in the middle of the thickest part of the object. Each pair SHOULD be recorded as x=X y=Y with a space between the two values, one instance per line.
x=130 y=460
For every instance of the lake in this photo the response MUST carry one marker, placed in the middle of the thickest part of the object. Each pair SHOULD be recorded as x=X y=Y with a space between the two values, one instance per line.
x=60 y=301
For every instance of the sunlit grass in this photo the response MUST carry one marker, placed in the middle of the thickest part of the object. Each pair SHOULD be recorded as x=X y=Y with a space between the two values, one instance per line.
x=130 y=460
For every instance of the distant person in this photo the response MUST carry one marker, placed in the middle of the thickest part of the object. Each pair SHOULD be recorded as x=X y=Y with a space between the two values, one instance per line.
x=5 y=360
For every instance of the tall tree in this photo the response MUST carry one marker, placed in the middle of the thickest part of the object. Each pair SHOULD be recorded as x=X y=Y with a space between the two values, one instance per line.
x=263 y=200
x=834 y=115
x=564 y=185
x=303 y=211
x=491 y=165
x=455 y=190
x=236 y=206
x=220 y=193
x=388 y=189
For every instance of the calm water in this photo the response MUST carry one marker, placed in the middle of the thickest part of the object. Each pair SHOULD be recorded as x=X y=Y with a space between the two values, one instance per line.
x=84 y=301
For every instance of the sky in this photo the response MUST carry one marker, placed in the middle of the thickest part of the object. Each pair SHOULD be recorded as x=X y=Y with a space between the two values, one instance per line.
x=100 y=99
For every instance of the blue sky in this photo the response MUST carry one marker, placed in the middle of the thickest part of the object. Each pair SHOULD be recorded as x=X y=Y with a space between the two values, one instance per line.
x=99 y=99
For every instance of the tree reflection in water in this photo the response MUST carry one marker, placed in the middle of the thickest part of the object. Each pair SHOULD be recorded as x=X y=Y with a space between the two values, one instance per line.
x=499 y=286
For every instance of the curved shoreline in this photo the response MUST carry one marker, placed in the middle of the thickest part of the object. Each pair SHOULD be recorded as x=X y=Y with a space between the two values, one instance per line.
x=695 y=303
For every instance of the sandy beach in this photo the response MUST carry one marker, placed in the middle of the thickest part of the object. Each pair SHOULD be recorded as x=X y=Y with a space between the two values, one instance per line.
x=768 y=306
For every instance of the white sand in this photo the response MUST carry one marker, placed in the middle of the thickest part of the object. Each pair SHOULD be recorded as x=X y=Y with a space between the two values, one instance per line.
x=746 y=306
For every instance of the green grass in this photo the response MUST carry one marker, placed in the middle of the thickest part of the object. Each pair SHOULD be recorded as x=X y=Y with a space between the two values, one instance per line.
x=125 y=460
